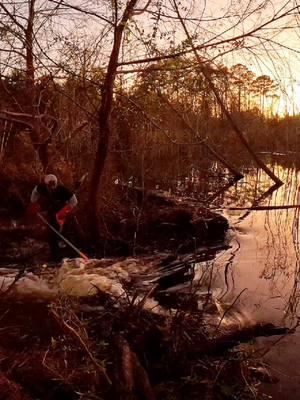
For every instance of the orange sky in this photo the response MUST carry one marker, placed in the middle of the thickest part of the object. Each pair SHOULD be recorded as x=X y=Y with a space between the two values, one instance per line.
x=273 y=50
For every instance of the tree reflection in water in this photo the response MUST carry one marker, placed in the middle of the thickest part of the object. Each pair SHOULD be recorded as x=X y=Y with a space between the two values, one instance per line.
x=264 y=253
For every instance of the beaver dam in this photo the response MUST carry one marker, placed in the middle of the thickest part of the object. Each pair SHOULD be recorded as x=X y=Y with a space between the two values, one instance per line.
x=187 y=316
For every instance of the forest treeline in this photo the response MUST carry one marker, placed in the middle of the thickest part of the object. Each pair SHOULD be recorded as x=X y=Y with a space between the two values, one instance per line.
x=138 y=90
x=160 y=122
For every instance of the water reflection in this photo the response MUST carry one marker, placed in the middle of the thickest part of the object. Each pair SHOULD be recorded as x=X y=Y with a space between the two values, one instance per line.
x=265 y=254
x=264 y=259
x=293 y=301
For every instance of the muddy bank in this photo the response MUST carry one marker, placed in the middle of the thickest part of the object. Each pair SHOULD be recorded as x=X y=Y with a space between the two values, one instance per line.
x=142 y=222
x=163 y=215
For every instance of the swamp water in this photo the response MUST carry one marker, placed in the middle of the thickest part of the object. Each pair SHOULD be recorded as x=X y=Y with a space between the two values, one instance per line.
x=262 y=270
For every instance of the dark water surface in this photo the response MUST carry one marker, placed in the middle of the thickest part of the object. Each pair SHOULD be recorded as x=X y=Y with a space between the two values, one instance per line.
x=263 y=267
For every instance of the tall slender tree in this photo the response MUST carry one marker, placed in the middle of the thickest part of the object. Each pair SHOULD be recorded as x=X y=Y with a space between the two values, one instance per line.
x=105 y=112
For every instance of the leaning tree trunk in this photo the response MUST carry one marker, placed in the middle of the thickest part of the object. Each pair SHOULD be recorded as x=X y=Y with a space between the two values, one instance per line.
x=223 y=107
x=104 y=120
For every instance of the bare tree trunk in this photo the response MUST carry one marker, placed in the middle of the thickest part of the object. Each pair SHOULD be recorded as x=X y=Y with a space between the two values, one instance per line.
x=30 y=89
x=29 y=49
x=104 y=119
x=35 y=132
x=224 y=109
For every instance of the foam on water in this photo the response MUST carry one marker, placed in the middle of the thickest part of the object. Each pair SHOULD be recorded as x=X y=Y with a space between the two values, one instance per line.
x=77 y=277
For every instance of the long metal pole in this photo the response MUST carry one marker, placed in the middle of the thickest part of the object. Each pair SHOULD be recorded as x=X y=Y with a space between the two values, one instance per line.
x=82 y=255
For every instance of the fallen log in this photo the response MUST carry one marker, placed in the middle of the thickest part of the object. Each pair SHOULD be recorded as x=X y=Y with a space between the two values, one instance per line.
x=258 y=208
x=227 y=341
x=203 y=253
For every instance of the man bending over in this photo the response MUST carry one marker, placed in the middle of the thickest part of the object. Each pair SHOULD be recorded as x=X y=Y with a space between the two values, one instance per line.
x=57 y=201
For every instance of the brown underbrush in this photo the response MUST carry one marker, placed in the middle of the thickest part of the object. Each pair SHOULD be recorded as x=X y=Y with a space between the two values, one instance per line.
x=100 y=348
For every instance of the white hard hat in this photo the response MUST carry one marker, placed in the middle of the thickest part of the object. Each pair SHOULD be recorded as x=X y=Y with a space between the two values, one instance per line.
x=50 y=178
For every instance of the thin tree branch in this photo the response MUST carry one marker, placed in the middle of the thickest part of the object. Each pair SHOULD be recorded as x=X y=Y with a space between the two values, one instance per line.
x=142 y=10
x=212 y=44
x=87 y=12
x=12 y=17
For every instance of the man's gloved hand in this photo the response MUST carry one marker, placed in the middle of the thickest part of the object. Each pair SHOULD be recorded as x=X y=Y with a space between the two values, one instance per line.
x=61 y=214
x=33 y=209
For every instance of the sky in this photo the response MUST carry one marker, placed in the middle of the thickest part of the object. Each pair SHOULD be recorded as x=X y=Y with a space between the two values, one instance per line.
x=273 y=50
x=276 y=47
